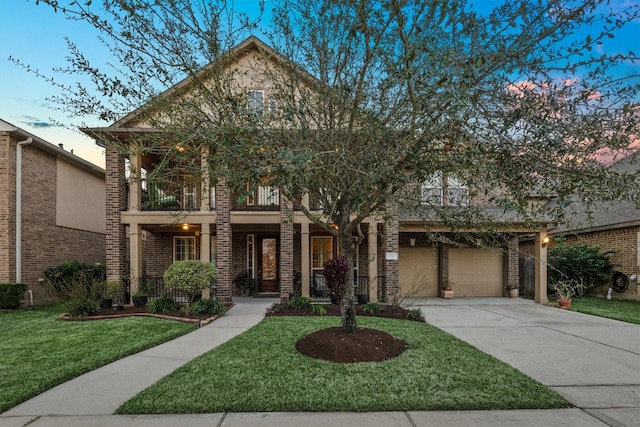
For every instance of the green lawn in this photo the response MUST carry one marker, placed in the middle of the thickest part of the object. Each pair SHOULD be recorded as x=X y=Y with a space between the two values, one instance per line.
x=627 y=311
x=260 y=370
x=39 y=351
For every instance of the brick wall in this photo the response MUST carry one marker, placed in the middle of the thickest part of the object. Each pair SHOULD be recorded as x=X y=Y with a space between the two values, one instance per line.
x=44 y=244
x=7 y=210
x=624 y=241
x=286 y=248
x=391 y=239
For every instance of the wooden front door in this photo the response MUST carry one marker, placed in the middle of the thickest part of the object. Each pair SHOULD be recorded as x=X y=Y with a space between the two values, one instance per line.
x=268 y=263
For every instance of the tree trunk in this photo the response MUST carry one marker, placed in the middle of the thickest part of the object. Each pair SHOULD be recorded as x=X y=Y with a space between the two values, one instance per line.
x=347 y=309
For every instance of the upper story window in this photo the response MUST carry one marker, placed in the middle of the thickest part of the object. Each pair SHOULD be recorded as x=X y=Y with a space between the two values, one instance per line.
x=255 y=102
x=439 y=189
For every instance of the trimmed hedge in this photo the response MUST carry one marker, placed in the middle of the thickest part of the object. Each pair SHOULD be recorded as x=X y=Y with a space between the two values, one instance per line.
x=11 y=294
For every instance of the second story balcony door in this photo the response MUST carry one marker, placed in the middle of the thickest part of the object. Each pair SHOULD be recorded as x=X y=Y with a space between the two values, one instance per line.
x=268 y=264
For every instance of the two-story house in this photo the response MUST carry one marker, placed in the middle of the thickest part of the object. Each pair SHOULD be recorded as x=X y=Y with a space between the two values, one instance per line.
x=154 y=222
x=52 y=209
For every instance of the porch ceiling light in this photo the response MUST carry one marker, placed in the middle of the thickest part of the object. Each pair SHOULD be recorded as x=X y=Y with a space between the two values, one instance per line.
x=185 y=227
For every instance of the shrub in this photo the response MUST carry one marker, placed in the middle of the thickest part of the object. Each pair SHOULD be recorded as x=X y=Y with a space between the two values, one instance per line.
x=73 y=279
x=585 y=266
x=211 y=307
x=300 y=302
x=318 y=310
x=297 y=283
x=10 y=294
x=162 y=305
x=336 y=273
x=81 y=307
x=372 y=308
x=415 y=314
x=191 y=277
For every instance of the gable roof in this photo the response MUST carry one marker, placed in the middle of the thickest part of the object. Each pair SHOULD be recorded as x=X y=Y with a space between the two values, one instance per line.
x=252 y=43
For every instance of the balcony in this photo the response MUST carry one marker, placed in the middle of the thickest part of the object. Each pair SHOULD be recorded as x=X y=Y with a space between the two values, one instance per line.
x=261 y=199
x=182 y=195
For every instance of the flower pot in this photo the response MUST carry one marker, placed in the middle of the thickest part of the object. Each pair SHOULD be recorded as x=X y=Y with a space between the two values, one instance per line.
x=245 y=292
x=446 y=293
x=139 y=301
x=363 y=299
x=106 y=302
x=118 y=307
x=513 y=293
x=564 y=303
x=334 y=299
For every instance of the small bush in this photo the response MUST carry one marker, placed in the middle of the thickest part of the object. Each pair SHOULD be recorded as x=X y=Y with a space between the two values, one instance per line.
x=72 y=279
x=372 y=308
x=336 y=273
x=415 y=314
x=10 y=294
x=300 y=302
x=81 y=307
x=162 y=305
x=318 y=310
x=211 y=307
x=191 y=277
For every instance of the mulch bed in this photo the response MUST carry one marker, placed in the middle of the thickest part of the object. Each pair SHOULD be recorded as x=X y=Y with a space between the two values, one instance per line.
x=336 y=345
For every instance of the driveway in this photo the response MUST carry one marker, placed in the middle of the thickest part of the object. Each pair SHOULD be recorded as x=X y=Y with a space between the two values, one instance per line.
x=592 y=361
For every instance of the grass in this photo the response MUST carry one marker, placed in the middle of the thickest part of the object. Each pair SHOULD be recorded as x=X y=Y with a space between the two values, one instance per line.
x=627 y=311
x=260 y=370
x=39 y=351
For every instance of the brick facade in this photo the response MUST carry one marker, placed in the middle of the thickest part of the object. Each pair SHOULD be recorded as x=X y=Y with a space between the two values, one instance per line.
x=44 y=243
x=625 y=242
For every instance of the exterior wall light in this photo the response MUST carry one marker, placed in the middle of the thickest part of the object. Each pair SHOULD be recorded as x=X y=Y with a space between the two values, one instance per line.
x=545 y=241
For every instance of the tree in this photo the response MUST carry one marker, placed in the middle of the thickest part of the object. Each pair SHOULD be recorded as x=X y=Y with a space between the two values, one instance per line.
x=372 y=96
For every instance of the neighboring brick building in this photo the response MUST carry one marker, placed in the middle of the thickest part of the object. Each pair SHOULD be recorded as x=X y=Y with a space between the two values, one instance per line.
x=614 y=226
x=262 y=235
x=61 y=216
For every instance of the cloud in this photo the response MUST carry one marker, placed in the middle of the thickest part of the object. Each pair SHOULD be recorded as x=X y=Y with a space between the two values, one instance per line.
x=38 y=123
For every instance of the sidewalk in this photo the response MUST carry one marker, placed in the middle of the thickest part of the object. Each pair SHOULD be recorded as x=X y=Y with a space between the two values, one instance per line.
x=593 y=362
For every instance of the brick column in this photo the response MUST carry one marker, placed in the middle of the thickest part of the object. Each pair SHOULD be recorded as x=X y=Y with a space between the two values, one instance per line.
x=305 y=267
x=116 y=242
x=205 y=251
x=372 y=245
x=224 y=248
x=286 y=248
x=513 y=262
x=391 y=239
x=443 y=265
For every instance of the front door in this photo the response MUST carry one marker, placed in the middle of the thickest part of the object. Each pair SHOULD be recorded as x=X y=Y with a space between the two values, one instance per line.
x=268 y=264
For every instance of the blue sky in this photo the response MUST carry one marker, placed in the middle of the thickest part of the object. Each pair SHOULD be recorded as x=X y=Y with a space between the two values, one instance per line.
x=38 y=39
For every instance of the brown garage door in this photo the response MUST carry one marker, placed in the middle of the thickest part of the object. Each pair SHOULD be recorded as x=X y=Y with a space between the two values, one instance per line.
x=418 y=272
x=475 y=272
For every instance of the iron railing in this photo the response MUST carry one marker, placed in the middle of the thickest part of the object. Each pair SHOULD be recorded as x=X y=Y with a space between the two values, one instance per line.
x=155 y=287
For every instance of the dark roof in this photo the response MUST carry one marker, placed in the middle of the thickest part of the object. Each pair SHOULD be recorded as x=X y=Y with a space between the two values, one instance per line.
x=601 y=216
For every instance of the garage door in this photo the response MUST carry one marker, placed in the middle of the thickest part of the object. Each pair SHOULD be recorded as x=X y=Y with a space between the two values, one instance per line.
x=418 y=272
x=475 y=272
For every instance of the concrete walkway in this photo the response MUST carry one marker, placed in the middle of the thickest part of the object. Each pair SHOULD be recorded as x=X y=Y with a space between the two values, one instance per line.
x=593 y=362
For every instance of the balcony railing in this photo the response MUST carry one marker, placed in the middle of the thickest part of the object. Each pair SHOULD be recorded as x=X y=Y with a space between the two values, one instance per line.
x=261 y=199
x=183 y=195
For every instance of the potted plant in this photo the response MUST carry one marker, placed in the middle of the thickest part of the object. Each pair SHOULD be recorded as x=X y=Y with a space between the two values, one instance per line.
x=245 y=282
x=115 y=293
x=140 y=297
x=564 y=291
x=446 y=292
x=512 y=290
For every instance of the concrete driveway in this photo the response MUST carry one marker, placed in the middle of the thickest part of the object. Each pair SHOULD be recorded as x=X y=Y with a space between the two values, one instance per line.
x=592 y=361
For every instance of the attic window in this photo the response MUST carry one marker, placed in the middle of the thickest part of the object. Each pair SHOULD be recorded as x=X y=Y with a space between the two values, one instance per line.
x=255 y=102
